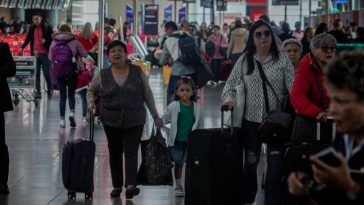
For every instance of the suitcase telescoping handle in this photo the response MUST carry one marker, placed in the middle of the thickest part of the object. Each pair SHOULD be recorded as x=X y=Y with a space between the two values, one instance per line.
x=225 y=108
x=92 y=124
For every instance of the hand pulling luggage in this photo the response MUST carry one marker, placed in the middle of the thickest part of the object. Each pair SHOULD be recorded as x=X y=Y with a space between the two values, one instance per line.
x=78 y=159
x=214 y=168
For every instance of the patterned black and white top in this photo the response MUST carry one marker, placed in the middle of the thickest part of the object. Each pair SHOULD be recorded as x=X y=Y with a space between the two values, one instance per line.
x=280 y=74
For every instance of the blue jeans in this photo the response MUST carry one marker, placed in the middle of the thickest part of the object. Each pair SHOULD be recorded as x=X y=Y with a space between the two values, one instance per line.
x=252 y=147
x=82 y=93
x=273 y=179
x=43 y=61
x=173 y=79
x=67 y=87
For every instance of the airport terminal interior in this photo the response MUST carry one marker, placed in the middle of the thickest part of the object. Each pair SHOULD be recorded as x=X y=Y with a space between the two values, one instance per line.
x=35 y=143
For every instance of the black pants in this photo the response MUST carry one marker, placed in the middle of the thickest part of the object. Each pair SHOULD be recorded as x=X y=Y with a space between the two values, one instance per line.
x=4 y=154
x=123 y=141
x=252 y=147
x=67 y=88
x=216 y=68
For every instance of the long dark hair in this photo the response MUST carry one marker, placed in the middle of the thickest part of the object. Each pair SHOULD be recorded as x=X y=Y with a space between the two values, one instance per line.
x=250 y=48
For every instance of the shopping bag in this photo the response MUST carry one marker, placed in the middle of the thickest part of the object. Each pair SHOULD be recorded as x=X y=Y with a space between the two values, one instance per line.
x=156 y=166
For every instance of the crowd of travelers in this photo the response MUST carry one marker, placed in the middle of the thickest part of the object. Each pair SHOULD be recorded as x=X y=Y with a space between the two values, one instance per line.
x=275 y=66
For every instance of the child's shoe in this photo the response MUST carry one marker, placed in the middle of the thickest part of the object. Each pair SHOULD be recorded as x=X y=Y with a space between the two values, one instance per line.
x=84 y=120
x=179 y=192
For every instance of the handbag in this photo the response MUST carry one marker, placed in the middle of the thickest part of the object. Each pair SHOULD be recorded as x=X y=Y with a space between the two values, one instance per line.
x=203 y=74
x=275 y=127
x=309 y=129
x=156 y=166
x=239 y=106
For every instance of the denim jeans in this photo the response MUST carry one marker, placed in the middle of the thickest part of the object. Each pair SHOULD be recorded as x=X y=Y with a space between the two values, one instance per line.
x=272 y=192
x=67 y=87
x=252 y=147
x=82 y=93
x=43 y=61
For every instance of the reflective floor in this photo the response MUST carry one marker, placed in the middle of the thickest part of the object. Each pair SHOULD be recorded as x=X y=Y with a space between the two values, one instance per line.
x=35 y=143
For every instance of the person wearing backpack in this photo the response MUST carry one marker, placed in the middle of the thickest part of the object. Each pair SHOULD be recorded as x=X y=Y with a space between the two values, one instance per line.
x=181 y=52
x=63 y=54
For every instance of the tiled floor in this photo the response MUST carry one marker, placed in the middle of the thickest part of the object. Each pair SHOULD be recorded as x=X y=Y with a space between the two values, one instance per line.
x=35 y=143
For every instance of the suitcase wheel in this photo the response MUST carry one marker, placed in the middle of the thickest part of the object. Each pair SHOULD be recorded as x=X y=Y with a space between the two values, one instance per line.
x=88 y=196
x=72 y=195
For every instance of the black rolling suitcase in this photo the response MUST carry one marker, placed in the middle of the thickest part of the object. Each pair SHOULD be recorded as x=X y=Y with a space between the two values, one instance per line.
x=214 y=168
x=78 y=159
x=295 y=155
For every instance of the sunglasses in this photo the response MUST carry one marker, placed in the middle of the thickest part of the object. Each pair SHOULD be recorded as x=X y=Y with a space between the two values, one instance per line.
x=259 y=34
x=326 y=49
x=186 y=77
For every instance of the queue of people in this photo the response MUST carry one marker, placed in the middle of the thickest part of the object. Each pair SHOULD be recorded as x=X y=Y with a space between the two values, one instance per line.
x=320 y=86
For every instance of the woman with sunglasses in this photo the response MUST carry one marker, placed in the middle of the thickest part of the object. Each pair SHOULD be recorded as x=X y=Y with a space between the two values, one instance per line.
x=260 y=54
x=309 y=96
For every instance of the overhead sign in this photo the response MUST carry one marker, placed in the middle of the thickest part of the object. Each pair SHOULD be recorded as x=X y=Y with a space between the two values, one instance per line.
x=221 y=5
x=207 y=3
x=168 y=13
x=285 y=2
x=181 y=14
x=151 y=19
x=189 y=1
x=129 y=13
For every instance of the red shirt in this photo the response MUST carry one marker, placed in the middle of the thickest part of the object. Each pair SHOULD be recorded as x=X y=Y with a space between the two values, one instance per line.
x=305 y=95
x=88 y=44
x=39 y=47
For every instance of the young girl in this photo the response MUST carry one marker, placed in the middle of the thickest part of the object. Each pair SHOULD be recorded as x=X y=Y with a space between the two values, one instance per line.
x=184 y=115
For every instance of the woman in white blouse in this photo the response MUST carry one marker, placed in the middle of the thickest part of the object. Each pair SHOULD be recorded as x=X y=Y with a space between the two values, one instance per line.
x=261 y=49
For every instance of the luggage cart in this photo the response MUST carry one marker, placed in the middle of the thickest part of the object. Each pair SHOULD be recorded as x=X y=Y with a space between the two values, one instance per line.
x=22 y=85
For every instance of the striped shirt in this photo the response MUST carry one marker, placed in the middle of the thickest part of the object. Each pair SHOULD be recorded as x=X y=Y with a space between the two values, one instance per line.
x=279 y=73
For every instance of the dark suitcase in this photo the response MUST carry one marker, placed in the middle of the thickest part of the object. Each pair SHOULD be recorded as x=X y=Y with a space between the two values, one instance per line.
x=214 y=168
x=78 y=159
x=295 y=157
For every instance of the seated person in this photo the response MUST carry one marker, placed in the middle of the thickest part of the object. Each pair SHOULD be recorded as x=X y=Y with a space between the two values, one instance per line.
x=343 y=184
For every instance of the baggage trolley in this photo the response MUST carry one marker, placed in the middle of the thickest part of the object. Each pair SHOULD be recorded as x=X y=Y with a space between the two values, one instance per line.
x=22 y=85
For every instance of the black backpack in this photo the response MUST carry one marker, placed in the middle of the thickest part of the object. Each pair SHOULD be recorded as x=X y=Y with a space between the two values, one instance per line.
x=190 y=54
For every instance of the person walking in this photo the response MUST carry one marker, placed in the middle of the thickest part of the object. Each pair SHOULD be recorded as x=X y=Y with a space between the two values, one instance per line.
x=237 y=43
x=261 y=53
x=123 y=89
x=7 y=69
x=184 y=115
x=66 y=45
x=40 y=38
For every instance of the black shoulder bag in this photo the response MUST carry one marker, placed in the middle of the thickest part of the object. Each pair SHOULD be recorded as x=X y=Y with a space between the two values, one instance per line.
x=275 y=126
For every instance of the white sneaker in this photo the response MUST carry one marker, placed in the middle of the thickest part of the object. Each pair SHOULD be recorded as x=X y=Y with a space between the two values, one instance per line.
x=84 y=121
x=62 y=124
x=179 y=192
